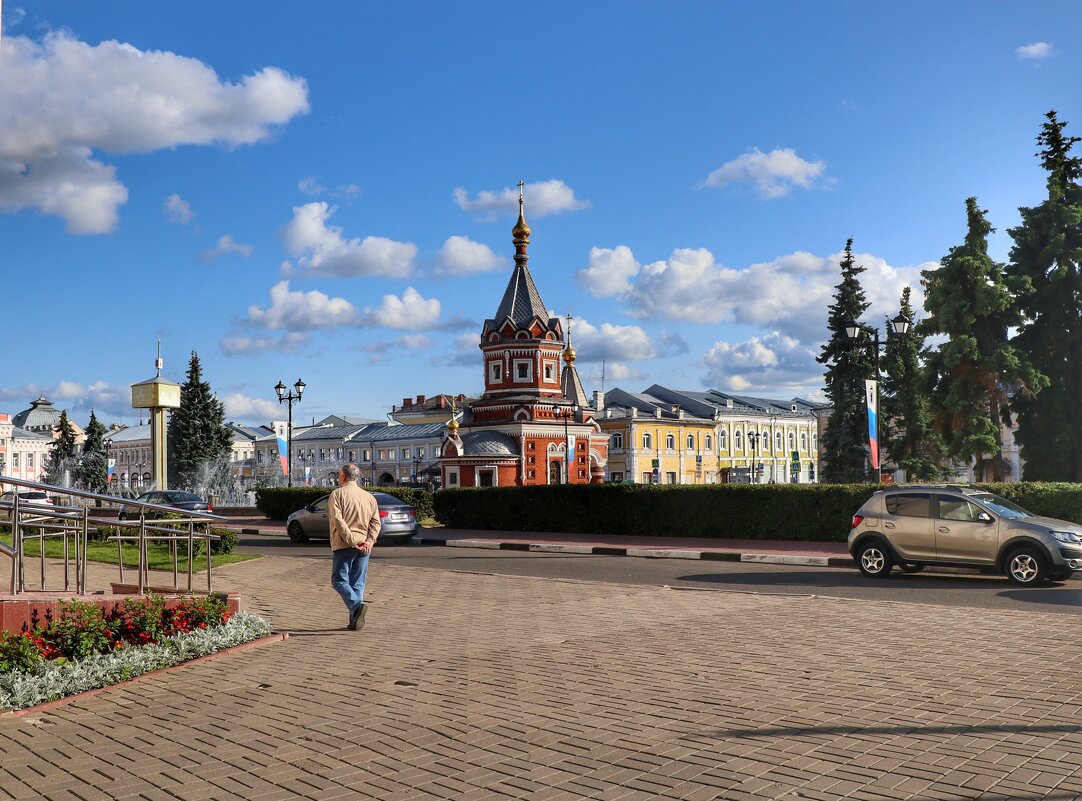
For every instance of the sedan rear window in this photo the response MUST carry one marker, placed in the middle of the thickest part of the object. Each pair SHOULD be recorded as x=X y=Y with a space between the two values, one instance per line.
x=910 y=504
x=180 y=497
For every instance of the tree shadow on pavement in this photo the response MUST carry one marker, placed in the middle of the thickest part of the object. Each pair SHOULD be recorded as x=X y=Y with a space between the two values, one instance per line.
x=834 y=577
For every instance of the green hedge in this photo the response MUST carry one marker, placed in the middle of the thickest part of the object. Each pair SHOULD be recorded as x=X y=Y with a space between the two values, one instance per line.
x=278 y=503
x=816 y=512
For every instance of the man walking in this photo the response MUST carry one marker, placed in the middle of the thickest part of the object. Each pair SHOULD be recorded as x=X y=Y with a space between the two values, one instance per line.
x=354 y=530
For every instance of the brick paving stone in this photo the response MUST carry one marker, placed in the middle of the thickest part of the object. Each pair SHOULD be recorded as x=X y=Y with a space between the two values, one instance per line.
x=512 y=687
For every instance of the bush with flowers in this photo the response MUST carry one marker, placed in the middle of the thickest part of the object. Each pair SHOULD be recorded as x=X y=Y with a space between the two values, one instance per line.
x=84 y=647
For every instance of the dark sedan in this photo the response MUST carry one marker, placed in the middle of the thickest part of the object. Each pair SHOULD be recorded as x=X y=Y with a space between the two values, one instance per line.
x=398 y=520
x=179 y=500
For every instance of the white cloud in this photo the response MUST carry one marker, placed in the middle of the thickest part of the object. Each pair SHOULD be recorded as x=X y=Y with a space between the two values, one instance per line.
x=302 y=311
x=241 y=343
x=460 y=255
x=178 y=210
x=1036 y=51
x=774 y=174
x=312 y=186
x=614 y=371
x=610 y=271
x=322 y=250
x=107 y=401
x=409 y=311
x=241 y=407
x=226 y=244
x=542 y=198
x=773 y=363
x=790 y=294
x=382 y=351
x=611 y=342
x=63 y=100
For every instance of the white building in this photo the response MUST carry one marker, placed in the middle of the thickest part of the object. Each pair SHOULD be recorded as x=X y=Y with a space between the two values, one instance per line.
x=23 y=454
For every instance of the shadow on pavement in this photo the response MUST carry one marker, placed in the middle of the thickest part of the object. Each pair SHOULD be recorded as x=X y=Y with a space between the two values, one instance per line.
x=839 y=578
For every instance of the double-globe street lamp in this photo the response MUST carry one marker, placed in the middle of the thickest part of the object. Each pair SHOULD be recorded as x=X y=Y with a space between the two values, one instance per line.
x=853 y=330
x=566 y=412
x=289 y=399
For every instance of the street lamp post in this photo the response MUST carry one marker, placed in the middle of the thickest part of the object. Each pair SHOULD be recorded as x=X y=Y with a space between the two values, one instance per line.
x=753 y=440
x=566 y=413
x=289 y=399
x=900 y=324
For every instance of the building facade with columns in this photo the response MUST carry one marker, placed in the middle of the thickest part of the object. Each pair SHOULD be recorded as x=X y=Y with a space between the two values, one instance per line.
x=23 y=454
x=533 y=424
x=707 y=437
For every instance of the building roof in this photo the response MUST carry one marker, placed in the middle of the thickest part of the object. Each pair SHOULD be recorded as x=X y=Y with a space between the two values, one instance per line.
x=22 y=433
x=128 y=434
x=488 y=443
x=338 y=432
x=407 y=431
x=521 y=300
x=347 y=420
x=40 y=416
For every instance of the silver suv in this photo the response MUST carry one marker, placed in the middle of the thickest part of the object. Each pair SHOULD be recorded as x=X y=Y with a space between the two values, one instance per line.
x=914 y=526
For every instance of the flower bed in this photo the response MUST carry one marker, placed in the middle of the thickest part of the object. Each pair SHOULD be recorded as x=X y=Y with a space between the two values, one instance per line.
x=84 y=647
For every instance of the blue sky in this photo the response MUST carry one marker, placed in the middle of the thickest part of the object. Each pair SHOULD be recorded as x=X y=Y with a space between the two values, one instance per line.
x=325 y=190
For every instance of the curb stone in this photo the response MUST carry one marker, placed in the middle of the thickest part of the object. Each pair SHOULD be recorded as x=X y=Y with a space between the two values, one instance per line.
x=647 y=553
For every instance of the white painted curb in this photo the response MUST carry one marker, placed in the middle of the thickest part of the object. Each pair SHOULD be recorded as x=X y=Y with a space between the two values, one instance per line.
x=492 y=546
x=546 y=547
x=662 y=553
x=785 y=559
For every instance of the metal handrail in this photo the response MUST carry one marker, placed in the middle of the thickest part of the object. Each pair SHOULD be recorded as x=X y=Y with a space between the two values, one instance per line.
x=53 y=520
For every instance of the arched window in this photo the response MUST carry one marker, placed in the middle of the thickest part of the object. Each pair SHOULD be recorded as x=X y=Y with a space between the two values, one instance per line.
x=738 y=440
x=709 y=441
x=723 y=440
x=618 y=440
x=691 y=442
x=670 y=442
x=803 y=442
x=792 y=441
x=777 y=440
x=647 y=442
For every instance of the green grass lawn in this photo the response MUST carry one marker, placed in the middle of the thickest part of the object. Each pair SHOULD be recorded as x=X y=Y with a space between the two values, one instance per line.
x=159 y=557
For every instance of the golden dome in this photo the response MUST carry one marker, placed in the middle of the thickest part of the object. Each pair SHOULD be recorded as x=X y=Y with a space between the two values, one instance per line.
x=569 y=355
x=521 y=231
x=452 y=425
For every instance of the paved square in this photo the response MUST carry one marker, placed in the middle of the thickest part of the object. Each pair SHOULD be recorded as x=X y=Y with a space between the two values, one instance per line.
x=472 y=686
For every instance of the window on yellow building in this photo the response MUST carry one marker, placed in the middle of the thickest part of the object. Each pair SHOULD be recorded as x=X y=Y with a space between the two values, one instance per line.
x=647 y=442
x=803 y=442
x=618 y=440
x=670 y=442
x=709 y=442
x=691 y=442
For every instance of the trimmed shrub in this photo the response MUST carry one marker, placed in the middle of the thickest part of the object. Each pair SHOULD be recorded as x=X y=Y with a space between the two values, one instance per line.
x=278 y=503
x=815 y=512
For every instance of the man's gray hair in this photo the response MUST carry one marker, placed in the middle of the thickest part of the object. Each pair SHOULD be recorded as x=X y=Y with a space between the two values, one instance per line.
x=351 y=471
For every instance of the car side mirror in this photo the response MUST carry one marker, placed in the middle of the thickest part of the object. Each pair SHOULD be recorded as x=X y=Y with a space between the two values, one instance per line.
x=984 y=517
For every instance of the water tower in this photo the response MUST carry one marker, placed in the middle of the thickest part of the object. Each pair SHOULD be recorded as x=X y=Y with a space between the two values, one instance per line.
x=157 y=395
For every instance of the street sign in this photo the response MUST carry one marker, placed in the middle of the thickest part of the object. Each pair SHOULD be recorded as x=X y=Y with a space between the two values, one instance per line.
x=655 y=463
x=655 y=472
x=698 y=460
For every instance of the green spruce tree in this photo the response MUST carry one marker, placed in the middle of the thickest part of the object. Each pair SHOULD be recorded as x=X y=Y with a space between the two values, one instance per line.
x=1045 y=272
x=93 y=470
x=973 y=375
x=907 y=427
x=848 y=366
x=199 y=442
x=62 y=454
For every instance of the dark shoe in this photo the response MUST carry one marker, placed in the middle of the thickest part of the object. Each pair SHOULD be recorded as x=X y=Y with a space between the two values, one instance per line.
x=352 y=626
x=359 y=622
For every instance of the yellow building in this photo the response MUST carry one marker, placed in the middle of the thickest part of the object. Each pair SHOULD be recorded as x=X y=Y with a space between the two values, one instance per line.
x=692 y=437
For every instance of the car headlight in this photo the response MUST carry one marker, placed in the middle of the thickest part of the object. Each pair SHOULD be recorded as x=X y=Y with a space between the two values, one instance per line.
x=1066 y=536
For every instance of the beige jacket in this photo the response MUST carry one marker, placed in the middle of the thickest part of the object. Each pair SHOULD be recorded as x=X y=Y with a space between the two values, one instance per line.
x=354 y=516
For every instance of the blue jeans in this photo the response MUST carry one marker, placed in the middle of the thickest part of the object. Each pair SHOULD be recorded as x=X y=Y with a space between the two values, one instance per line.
x=348 y=569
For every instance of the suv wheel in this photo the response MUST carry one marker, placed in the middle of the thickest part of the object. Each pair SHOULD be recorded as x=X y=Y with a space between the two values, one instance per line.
x=874 y=559
x=1026 y=568
x=296 y=533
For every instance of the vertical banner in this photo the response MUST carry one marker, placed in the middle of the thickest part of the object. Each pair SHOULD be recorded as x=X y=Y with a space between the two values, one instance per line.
x=307 y=475
x=112 y=467
x=871 y=392
x=280 y=428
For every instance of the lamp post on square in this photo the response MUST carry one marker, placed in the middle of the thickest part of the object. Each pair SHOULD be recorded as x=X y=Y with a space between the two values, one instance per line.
x=289 y=399
x=900 y=324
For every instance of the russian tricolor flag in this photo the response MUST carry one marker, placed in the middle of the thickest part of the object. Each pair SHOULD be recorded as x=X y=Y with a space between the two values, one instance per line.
x=871 y=392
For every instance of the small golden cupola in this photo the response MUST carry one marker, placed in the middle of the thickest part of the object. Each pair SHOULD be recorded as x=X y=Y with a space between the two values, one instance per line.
x=521 y=231
x=452 y=424
x=569 y=352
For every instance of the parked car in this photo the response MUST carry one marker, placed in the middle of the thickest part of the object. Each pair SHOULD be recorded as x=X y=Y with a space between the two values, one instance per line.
x=179 y=500
x=398 y=520
x=959 y=526
x=35 y=497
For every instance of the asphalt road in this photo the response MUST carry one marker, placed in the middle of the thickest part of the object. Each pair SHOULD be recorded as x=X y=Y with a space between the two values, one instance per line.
x=957 y=588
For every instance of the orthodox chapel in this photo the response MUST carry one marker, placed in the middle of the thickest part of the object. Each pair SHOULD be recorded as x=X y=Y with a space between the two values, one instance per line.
x=534 y=423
